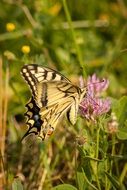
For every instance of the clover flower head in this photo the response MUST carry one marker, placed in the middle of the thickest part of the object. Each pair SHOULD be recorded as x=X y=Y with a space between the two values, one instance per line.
x=93 y=105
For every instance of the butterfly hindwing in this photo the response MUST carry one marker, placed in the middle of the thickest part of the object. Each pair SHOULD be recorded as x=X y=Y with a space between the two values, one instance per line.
x=54 y=113
x=49 y=114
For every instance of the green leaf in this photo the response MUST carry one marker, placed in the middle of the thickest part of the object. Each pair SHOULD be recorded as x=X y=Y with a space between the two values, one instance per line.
x=80 y=180
x=64 y=187
x=17 y=185
x=122 y=133
x=120 y=110
x=113 y=181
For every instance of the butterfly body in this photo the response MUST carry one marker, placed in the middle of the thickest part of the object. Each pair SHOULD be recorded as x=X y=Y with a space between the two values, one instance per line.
x=53 y=95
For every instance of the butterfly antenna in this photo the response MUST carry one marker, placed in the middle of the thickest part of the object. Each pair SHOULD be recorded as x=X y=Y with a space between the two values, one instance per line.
x=95 y=83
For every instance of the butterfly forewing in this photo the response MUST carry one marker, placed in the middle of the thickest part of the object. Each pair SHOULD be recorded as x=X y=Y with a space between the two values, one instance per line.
x=54 y=92
x=53 y=95
x=34 y=74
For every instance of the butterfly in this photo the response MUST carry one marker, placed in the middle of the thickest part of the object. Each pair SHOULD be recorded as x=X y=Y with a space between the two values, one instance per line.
x=53 y=95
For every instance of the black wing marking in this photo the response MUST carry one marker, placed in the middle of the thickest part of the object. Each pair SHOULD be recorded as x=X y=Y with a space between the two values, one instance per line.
x=33 y=119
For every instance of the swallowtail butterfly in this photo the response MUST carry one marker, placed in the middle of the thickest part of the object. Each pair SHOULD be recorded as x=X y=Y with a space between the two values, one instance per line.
x=53 y=95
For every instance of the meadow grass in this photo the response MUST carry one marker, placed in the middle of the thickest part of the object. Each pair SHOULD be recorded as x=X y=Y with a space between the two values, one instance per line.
x=78 y=39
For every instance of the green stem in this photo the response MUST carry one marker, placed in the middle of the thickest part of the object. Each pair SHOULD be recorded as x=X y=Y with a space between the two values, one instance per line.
x=73 y=36
x=97 y=142
x=97 y=152
x=14 y=35
x=1 y=99
x=112 y=153
x=106 y=179
x=89 y=183
x=5 y=109
x=2 y=139
x=5 y=106
x=123 y=174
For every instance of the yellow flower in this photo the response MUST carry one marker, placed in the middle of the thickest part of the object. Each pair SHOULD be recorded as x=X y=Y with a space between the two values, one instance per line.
x=55 y=9
x=10 y=27
x=25 y=49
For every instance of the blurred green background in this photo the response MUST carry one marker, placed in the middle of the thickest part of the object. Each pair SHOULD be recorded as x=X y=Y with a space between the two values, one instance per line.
x=76 y=38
